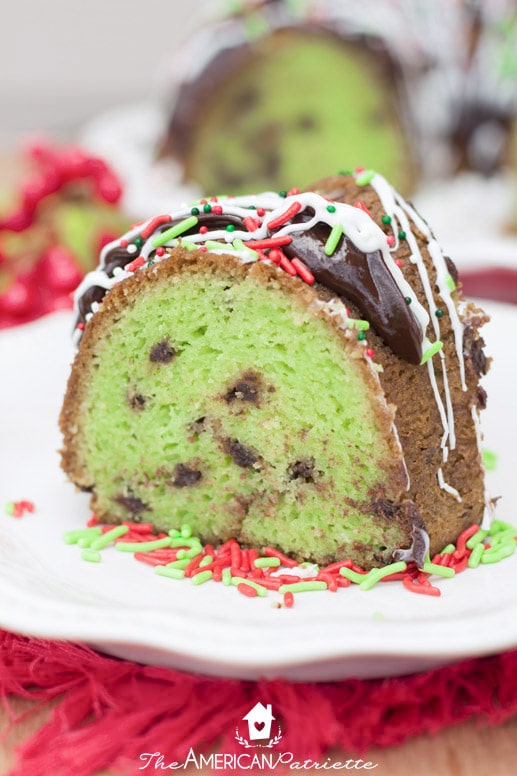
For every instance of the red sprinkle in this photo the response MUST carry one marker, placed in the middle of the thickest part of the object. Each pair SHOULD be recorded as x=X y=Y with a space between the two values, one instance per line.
x=251 y=224
x=217 y=209
x=135 y=264
x=247 y=590
x=268 y=242
x=286 y=265
x=291 y=211
x=416 y=587
x=203 y=229
x=463 y=539
x=303 y=271
x=153 y=225
x=369 y=352
x=362 y=206
x=390 y=240
x=288 y=600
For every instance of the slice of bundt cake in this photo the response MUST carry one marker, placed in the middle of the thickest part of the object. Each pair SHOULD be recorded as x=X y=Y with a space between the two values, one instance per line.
x=283 y=369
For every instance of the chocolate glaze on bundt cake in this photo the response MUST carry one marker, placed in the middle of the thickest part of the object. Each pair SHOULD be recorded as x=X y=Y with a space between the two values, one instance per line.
x=295 y=369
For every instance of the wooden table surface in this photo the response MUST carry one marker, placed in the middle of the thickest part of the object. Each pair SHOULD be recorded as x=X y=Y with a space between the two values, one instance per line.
x=469 y=749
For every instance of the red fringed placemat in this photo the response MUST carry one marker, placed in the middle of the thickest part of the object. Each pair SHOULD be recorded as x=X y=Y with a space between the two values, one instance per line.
x=111 y=711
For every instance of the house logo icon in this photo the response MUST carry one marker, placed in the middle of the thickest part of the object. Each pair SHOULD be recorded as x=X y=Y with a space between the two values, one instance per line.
x=260 y=729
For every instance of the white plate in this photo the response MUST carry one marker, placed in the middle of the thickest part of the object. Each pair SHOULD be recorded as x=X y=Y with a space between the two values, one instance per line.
x=123 y=608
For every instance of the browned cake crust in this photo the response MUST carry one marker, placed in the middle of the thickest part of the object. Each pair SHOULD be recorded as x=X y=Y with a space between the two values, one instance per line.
x=408 y=388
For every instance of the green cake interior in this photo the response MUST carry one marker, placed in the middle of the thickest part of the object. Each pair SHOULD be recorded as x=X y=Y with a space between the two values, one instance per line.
x=231 y=407
x=302 y=104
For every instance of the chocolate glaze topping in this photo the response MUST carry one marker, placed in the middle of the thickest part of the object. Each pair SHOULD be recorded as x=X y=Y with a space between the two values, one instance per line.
x=365 y=280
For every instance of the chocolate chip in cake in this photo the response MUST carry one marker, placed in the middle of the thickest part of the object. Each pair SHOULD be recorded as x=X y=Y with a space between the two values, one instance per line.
x=453 y=270
x=481 y=397
x=162 y=352
x=136 y=400
x=185 y=475
x=474 y=350
x=242 y=456
x=247 y=389
x=302 y=470
x=307 y=123
x=133 y=504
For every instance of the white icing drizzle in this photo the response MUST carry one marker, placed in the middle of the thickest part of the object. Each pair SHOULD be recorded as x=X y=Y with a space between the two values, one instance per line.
x=404 y=217
x=446 y=487
x=488 y=512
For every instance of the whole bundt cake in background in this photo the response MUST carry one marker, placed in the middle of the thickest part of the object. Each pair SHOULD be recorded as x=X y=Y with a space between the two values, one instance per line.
x=296 y=369
x=273 y=92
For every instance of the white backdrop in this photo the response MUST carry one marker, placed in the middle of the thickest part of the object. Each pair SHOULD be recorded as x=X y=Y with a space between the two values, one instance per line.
x=62 y=61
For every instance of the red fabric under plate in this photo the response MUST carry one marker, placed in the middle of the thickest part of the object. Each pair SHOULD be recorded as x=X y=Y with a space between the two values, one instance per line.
x=110 y=711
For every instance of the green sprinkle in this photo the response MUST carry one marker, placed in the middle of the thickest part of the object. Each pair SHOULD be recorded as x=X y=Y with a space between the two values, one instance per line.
x=9 y=508
x=190 y=542
x=186 y=531
x=157 y=544
x=331 y=208
x=178 y=564
x=282 y=194
x=361 y=336
x=226 y=577
x=440 y=571
x=353 y=576
x=408 y=299
x=108 y=537
x=238 y=244
x=431 y=351
x=261 y=590
x=174 y=231
x=494 y=555
x=213 y=245
x=333 y=239
x=302 y=587
x=230 y=227
x=138 y=242
x=489 y=459
x=497 y=526
x=386 y=219
x=439 y=312
x=72 y=537
x=377 y=616
x=448 y=549
x=194 y=211
x=358 y=323
x=206 y=561
x=375 y=575
x=475 y=556
x=450 y=282
x=167 y=571
x=503 y=536
x=266 y=563
x=91 y=555
x=364 y=178
x=402 y=235
x=207 y=208
x=189 y=246
x=174 y=533
x=476 y=539
x=203 y=576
